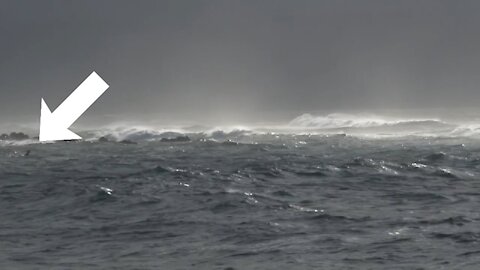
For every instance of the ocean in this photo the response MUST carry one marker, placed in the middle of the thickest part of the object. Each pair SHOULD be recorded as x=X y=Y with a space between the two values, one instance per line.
x=337 y=194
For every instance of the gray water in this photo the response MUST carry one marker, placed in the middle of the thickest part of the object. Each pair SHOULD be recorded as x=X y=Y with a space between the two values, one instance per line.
x=259 y=202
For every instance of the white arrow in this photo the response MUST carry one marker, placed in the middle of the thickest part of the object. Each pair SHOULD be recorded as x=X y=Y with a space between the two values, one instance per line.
x=54 y=126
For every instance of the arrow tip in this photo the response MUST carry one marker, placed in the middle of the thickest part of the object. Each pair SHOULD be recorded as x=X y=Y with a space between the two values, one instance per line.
x=50 y=130
x=98 y=80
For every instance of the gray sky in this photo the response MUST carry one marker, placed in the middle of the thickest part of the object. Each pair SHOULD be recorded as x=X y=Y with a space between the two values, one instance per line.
x=239 y=60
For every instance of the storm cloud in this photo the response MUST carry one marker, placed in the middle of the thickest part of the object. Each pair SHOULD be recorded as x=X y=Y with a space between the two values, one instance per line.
x=239 y=60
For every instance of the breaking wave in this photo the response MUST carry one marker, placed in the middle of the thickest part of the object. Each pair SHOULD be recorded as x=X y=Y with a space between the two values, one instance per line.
x=332 y=124
x=372 y=125
x=338 y=120
x=361 y=125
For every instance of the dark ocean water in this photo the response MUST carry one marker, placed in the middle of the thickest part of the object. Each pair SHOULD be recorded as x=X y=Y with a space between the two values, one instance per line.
x=267 y=202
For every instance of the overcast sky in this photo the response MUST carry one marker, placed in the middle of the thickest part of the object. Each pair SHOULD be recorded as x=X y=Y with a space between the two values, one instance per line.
x=239 y=60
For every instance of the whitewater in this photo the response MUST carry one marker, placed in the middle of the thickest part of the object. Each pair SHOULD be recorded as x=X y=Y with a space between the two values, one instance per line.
x=362 y=126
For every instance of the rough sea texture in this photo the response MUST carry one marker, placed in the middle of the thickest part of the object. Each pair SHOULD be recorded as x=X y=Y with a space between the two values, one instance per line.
x=242 y=201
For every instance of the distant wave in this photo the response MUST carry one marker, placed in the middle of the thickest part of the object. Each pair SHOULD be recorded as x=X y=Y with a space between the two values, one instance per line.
x=469 y=130
x=361 y=125
x=18 y=142
x=338 y=120
x=372 y=125
x=150 y=134
x=132 y=133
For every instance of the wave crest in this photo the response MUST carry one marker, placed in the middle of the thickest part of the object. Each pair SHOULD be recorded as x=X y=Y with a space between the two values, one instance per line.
x=339 y=120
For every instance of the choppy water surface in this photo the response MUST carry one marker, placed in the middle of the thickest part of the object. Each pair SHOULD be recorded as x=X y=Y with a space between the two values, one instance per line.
x=257 y=202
